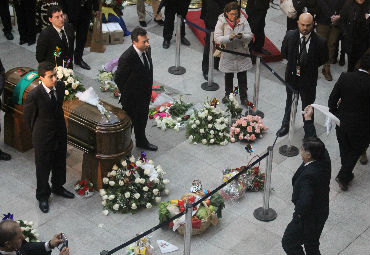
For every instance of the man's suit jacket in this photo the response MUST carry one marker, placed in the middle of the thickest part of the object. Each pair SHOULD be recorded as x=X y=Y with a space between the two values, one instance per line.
x=47 y=42
x=46 y=122
x=2 y=79
x=317 y=56
x=311 y=184
x=135 y=82
x=73 y=8
x=353 y=89
x=33 y=248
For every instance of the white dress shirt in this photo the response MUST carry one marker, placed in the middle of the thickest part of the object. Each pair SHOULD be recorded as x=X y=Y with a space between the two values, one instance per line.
x=59 y=30
x=48 y=91
x=140 y=53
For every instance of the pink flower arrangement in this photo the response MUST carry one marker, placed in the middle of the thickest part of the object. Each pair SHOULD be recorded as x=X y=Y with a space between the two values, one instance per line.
x=247 y=128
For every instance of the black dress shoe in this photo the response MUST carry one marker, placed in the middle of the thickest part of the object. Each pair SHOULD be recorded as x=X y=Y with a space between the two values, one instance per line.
x=44 y=205
x=185 y=41
x=82 y=64
x=263 y=51
x=9 y=35
x=159 y=22
x=282 y=131
x=22 y=41
x=166 y=44
x=63 y=193
x=148 y=146
x=342 y=185
x=4 y=156
x=142 y=23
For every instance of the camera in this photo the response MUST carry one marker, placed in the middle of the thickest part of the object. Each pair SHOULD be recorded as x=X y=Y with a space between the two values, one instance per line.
x=64 y=242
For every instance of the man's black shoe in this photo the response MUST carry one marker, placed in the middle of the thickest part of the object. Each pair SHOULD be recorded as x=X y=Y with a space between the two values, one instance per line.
x=148 y=146
x=63 y=193
x=31 y=42
x=342 y=185
x=9 y=35
x=82 y=64
x=5 y=156
x=22 y=41
x=263 y=51
x=166 y=44
x=342 y=60
x=205 y=76
x=142 y=23
x=282 y=131
x=159 y=22
x=185 y=41
x=44 y=205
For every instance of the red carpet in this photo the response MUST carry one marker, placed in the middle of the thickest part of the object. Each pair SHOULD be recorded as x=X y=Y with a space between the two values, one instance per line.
x=194 y=16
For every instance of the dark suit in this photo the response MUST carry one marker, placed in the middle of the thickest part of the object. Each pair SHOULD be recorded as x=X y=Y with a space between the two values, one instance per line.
x=311 y=200
x=33 y=248
x=2 y=82
x=135 y=82
x=49 y=137
x=354 y=114
x=47 y=42
x=79 y=14
x=299 y=6
x=5 y=16
x=26 y=17
x=317 y=55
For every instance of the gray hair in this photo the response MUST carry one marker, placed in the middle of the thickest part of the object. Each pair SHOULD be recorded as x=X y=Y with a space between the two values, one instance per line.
x=8 y=231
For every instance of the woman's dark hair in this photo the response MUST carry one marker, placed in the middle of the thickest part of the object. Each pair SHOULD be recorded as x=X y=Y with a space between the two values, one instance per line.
x=53 y=9
x=230 y=7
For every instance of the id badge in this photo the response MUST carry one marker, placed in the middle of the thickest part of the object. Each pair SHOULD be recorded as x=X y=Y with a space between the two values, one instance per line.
x=298 y=71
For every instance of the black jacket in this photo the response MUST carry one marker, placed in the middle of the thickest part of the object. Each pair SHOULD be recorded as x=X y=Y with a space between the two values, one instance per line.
x=47 y=42
x=73 y=8
x=47 y=124
x=299 y=5
x=353 y=89
x=210 y=11
x=33 y=248
x=2 y=79
x=317 y=56
x=135 y=82
x=257 y=5
x=311 y=184
x=326 y=9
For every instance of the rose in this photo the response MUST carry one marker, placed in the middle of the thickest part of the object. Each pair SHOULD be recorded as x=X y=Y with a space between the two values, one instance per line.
x=116 y=207
x=211 y=136
x=241 y=137
x=212 y=141
x=249 y=129
x=113 y=173
x=148 y=205
x=105 y=180
x=147 y=171
x=128 y=173
x=105 y=197
x=138 y=163
x=156 y=180
x=70 y=79
x=166 y=181
x=211 y=132
x=201 y=130
x=209 y=125
x=127 y=194
x=197 y=122
x=132 y=159
x=193 y=126
x=66 y=92
x=166 y=191
x=111 y=197
x=237 y=130
x=137 y=195
x=137 y=180
x=209 y=117
x=121 y=183
x=204 y=141
x=145 y=188
x=124 y=163
x=102 y=192
x=155 y=191
x=244 y=123
x=74 y=85
x=59 y=75
x=232 y=139
x=105 y=212
x=104 y=203
x=253 y=137
x=111 y=183
x=142 y=180
x=133 y=206
x=158 y=199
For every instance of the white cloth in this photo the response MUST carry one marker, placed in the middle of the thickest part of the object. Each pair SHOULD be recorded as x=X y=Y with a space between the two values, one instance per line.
x=306 y=164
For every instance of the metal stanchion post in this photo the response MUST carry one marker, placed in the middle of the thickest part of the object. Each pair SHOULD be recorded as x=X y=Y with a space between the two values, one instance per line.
x=104 y=252
x=290 y=150
x=188 y=228
x=177 y=69
x=257 y=89
x=210 y=85
x=266 y=213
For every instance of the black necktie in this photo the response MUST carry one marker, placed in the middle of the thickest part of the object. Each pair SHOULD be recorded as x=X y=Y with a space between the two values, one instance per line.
x=64 y=39
x=53 y=99
x=303 y=52
x=146 y=63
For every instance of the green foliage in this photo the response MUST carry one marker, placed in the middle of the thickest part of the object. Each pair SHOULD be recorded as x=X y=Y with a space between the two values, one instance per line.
x=218 y=203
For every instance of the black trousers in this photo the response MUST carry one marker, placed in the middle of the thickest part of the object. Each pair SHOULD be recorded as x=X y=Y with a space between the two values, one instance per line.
x=139 y=121
x=257 y=23
x=357 y=52
x=26 y=17
x=205 y=60
x=308 y=96
x=303 y=232
x=242 y=83
x=53 y=161
x=351 y=146
x=81 y=26
x=170 y=12
x=5 y=16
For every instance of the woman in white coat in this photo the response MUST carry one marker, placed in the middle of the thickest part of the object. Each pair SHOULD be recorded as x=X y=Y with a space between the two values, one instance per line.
x=233 y=31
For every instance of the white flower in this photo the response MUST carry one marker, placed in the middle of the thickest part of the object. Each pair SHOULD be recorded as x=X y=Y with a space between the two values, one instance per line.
x=100 y=225
x=145 y=188
x=66 y=92
x=132 y=159
x=115 y=167
x=176 y=128
x=70 y=79
x=166 y=191
x=231 y=96
x=128 y=173
x=121 y=183
x=209 y=117
x=27 y=229
x=205 y=112
x=212 y=141
x=190 y=138
x=221 y=134
x=138 y=163
x=147 y=171
x=133 y=206
x=204 y=141
x=155 y=191
x=193 y=126
x=116 y=207
x=158 y=199
x=156 y=180
x=104 y=203
x=211 y=132
x=113 y=173
x=59 y=75
x=105 y=180
x=197 y=122
x=166 y=181
x=148 y=205
x=30 y=223
x=162 y=108
x=111 y=183
x=105 y=197
x=137 y=195
x=201 y=130
x=137 y=180
x=22 y=228
x=211 y=136
x=150 y=162
x=127 y=194
x=209 y=125
x=123 y=163
x=105 y=212
x=102 y=192
x=27 y=239
x=111 y=197
x=142 y=180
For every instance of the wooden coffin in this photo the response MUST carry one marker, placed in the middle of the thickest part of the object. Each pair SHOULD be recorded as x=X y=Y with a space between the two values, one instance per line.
x=104 y=138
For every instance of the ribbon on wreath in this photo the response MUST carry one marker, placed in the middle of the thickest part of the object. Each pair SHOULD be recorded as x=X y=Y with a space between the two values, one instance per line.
x=8 y=216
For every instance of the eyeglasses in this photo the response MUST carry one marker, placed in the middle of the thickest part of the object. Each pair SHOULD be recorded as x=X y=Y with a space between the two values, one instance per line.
x=232 y=14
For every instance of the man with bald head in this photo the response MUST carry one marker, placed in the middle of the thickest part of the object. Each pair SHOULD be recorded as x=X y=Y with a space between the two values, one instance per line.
x=305 y=51
x=12 y=242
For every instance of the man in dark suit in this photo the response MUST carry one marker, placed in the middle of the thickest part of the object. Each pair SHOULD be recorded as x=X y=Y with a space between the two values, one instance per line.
x=12 y=242
x=310 y=194
x=79 y=14
x=3 y=155
x=350 y=102
x=301 y=6
x=44 y=116
x=305 y=52
x=257 y=10
x=134 y=77
x=5 y=19
x=26 y=17
x=58 y=34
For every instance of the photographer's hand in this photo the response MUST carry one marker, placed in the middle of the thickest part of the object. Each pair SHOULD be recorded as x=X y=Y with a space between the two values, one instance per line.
x=64 y=251
x=56 y=240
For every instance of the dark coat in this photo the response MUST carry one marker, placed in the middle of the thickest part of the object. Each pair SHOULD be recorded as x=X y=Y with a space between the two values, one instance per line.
x=2 y=79
x=47 y=42
x=299 y=5
x=134 y=82
x=257 y=5
x=47 y=124
x=317 y=56
x=33 y=248
x=73 y=8
x=353 y=89
x=311 y=184
x=326 y=9
x=210 y=11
